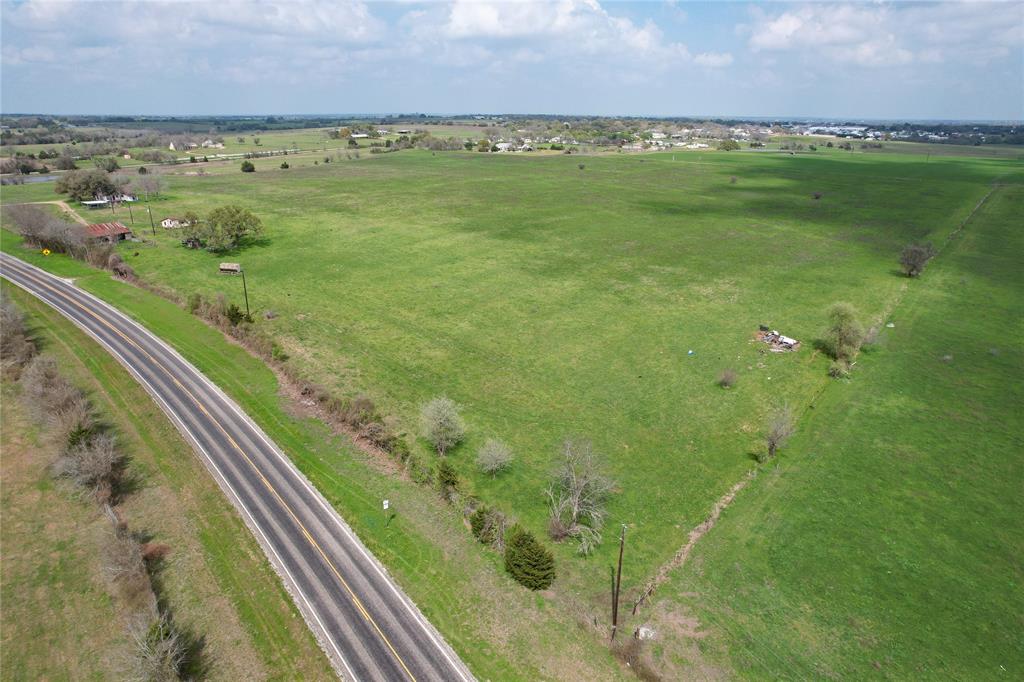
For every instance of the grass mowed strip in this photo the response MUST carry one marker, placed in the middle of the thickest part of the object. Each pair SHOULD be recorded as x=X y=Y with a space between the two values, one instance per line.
x=215 y=578
x=887 y=542
x=554 y=301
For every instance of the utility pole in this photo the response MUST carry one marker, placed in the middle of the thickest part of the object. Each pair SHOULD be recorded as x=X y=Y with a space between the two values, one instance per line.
x=130 y=214
x=617 y=583
x=246 y=292
x=151 y=225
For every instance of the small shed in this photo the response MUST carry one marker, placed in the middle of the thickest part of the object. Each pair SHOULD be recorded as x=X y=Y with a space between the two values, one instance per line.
x=96 y=203
x=230 y=268
x=107 y=232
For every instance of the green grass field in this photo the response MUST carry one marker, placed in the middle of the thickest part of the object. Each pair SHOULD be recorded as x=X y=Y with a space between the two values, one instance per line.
x=500 y=630
x=887 y=542
x=552 y=300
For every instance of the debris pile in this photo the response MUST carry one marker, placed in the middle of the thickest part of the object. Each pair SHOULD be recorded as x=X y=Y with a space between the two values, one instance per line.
x=779 y=343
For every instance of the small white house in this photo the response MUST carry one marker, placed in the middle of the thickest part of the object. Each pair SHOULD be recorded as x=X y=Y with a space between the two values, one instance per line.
x=505 y=147
x=359 y=136
x=174 y=223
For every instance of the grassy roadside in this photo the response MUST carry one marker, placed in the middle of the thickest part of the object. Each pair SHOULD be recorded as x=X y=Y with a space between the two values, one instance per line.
x=500 y=630
x=886 y=543
x=50 y=567
x=216 y=577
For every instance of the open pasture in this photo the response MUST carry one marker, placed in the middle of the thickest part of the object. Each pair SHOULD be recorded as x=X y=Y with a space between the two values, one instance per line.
x=555 y=301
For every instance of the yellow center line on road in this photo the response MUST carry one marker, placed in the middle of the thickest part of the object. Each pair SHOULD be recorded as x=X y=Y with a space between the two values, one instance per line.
x=309 y=537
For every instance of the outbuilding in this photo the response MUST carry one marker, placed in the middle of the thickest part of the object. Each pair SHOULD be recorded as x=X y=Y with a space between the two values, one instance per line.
x=107 y=232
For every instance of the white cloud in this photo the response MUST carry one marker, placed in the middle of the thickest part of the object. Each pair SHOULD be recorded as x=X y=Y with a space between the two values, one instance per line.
x=714 y=60
x=879 y=35
x=564 y=26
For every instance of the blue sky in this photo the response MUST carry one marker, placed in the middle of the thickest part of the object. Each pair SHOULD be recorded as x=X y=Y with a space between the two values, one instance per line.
x=944 y=60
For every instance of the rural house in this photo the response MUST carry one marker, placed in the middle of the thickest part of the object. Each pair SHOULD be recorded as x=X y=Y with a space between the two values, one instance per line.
x=107 y=232
x=174 y=223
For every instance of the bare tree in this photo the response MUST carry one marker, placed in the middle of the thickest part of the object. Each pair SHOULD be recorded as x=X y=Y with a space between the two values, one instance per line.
x=150 y=184
x=494 y=456
x=442 y=424
x=577 y=496
x=781 y=425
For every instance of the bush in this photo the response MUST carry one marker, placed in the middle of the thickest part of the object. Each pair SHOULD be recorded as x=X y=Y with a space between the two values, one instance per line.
x=441 y=424
x=728 y=145
x=195 y=302
x=234 y=315
x=488 y=525
x=54 y=401
x=16 y=348
x=528 y=562
x=727 y=379
x=159 y=650
x=914 y=257
x=285 y=166
x=277 y=353
x=91 y=463
x=494 y=457
x=247 y=167
x=447 y=480
x=839 y=369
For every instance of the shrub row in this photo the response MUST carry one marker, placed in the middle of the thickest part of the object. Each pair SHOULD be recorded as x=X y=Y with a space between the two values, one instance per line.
x=90 y=460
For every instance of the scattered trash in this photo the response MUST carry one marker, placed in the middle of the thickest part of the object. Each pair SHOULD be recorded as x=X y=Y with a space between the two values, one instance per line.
x=890 y=325
x=778 y=342
x=645 y=632
x=689 y=352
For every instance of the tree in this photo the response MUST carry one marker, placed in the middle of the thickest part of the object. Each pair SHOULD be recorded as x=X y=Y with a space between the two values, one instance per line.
x=107 y=163
x=66 y=162
x=728 y=145
x=284 y=166
x=914 y=257
x=150 y=184
x=142 y=170
x=528 y=562
x=247 y=167
x=85 y=185
x=780 y=426
x=577 y=496
x=494 y=456
x=190 y=217
x=845 y=333
x=442 y=424
x=226 y=227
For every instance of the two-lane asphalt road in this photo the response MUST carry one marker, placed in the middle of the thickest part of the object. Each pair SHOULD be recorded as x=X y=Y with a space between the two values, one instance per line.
x=369 y=628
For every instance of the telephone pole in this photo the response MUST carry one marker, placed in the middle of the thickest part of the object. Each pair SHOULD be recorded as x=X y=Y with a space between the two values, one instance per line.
x=617 y=583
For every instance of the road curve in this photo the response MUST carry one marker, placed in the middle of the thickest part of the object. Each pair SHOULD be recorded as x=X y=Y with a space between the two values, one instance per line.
x=368 y=627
